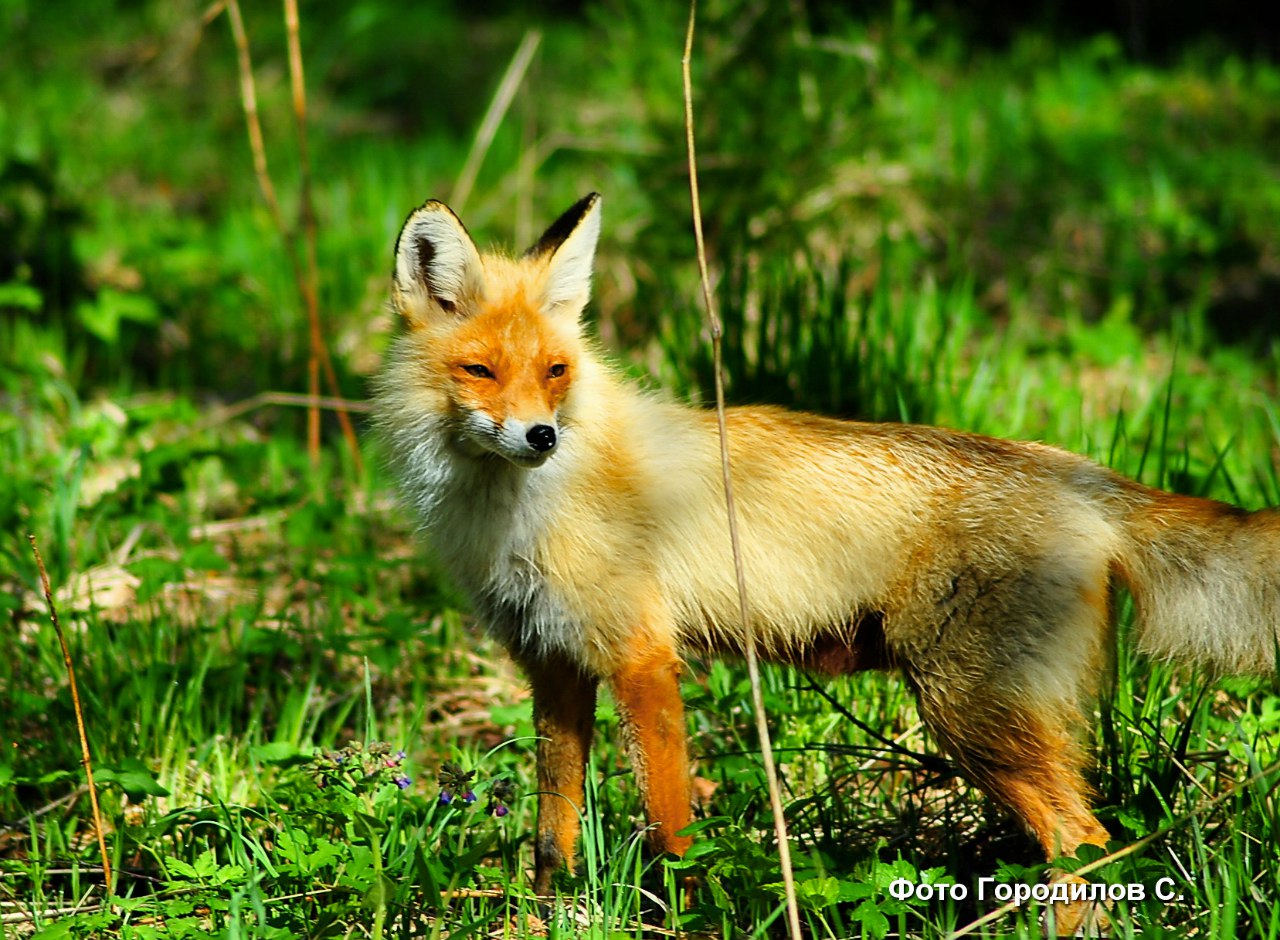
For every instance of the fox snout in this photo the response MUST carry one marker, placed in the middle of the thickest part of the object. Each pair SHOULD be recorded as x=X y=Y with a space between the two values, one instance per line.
x=524 y=443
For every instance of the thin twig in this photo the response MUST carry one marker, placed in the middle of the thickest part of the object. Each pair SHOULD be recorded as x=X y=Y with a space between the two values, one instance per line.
x=292 y=399
x=306 y=220
x=309 y=285
x=1125 y=851
x=27 y=917
x=211 y=13
x=525 y=168
x=749 y=644
x=85 y=757
x=306 y=280
x=502 y=99
x=249 y=101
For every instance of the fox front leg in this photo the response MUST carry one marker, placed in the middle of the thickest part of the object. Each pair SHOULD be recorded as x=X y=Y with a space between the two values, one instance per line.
x=647 y=694
x=564 y=708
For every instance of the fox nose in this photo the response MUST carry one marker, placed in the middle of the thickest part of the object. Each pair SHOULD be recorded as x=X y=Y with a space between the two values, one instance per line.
x=541 y=437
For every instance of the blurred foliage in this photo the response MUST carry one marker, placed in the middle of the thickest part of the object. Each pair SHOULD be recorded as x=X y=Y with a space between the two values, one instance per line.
x=1057 y=178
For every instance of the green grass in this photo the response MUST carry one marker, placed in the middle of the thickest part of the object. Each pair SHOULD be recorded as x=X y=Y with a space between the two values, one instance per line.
x=1038 y=243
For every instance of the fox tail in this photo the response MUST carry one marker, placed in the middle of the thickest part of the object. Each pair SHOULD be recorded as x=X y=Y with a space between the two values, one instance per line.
x=1206 y=580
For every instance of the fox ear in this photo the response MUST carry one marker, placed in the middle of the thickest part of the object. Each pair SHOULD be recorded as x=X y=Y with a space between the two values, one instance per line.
x=569 y=247
x=438 y=268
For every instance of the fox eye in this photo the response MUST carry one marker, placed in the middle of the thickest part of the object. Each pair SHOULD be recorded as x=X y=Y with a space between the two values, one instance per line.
x=478 y=371
x=557 y=370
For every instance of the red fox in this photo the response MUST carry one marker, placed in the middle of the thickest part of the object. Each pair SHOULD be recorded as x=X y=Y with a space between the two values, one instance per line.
x=586 y=520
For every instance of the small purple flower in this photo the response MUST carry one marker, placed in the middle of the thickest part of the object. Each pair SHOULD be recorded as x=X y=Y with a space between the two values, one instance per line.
x=501 y=792
x=400 y=755
x=402 y=782
x=453 y=779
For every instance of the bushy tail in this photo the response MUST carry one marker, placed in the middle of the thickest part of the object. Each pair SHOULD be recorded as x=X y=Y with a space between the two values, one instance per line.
x=1206 y=579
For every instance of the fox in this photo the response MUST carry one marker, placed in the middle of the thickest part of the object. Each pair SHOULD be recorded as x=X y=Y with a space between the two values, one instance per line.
x=584 y=516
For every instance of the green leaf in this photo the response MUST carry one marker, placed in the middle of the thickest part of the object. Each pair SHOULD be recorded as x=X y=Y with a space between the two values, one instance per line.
x=206 y=864
x=873 y=920
x=309 y=855
x=813 y=894
x=1132 y=820
x=359 y=872
x=325 y=854
x=103 y=315
x=203 y=556
x=229 y=874
x=20 y=297
x=698 y=825
x=292 y=844
x=177 y=867
x=133 y=777
x=430 y=872
x=856 y=890
x=284 y=753
x=380 y=893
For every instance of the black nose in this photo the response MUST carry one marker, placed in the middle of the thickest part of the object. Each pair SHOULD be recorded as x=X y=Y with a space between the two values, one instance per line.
x=541 y=437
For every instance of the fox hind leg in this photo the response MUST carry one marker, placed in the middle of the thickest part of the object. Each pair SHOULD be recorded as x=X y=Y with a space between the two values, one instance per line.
x=1026 y=758
x=1002 y=681
x=1006 y=705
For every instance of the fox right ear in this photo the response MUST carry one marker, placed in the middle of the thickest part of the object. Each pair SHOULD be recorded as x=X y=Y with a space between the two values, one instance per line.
x=438 y=268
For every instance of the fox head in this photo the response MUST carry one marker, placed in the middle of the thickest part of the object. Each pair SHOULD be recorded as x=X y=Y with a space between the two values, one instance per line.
x=497 y=339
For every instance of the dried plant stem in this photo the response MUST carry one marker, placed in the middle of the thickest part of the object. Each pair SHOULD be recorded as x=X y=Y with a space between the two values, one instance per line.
x=749 y=646
x=307 y=220
x=309 y=284
x=306 y=277
x=85 y=757
x=232 y=411
x=1129 y=849
x=502 y=99
x=249 y=101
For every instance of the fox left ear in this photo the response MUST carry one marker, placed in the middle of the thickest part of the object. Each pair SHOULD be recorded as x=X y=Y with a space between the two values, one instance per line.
x=569 y=246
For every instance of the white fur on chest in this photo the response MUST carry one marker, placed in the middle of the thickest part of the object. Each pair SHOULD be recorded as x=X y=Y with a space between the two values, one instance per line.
x=487 y=520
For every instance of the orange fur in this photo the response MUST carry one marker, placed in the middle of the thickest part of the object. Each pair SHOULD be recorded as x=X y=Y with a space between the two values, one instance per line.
x=563 y=717
x=586 y=521
x=647 y=694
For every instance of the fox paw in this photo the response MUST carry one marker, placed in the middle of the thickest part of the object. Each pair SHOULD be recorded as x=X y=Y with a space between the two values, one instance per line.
x=1081 y=918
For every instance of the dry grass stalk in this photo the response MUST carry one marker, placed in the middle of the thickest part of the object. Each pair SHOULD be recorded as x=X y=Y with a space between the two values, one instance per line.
x=305 y=277
x=307 y=218
x=498 y=107
x=753 y=666
x=1129 y=849
x=85 y=757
